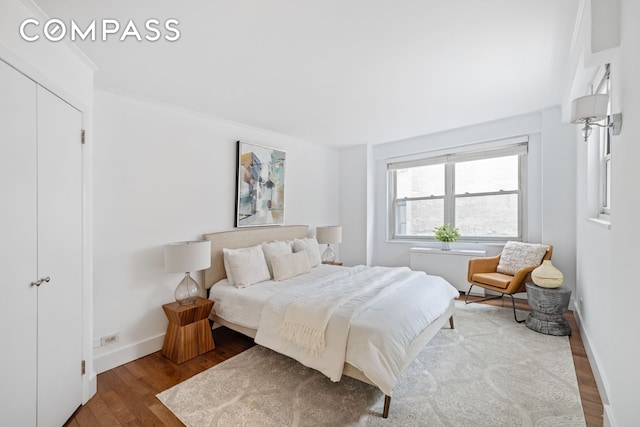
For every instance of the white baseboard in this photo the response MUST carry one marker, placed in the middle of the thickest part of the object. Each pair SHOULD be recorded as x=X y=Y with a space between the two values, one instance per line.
x=608 y=417
x=123 y=355
x=601 y=381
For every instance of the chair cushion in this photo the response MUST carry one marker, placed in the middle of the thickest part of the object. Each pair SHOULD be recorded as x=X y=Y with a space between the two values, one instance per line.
x=498 y=280
x=517 y=255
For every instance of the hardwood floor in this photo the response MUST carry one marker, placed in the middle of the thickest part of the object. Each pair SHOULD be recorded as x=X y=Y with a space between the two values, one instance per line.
x=126 y=394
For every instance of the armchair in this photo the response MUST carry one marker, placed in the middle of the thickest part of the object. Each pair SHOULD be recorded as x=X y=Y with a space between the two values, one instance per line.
x=483 y=272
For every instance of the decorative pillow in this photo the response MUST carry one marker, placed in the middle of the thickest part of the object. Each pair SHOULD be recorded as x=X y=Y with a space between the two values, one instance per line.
x=245 y=266
x=272 y=249
x=310 y=246
x=518 y=255
x=290 y=265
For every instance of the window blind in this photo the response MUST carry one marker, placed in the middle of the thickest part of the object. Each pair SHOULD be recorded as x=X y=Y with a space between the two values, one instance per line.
x=509 y=149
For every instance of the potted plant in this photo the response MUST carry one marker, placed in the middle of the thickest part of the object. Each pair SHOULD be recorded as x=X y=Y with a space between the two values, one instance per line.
x=446 y=234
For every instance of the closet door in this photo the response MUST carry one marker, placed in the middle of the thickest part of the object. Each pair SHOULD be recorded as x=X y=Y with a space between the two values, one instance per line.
x=18 y=243
x=59 y=258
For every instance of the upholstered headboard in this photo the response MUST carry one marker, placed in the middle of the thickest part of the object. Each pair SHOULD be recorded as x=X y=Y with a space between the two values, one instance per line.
x=242 y=238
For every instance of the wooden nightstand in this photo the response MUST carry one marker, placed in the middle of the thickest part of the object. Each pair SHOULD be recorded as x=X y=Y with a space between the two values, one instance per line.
x=188 y=333
x=333 y=263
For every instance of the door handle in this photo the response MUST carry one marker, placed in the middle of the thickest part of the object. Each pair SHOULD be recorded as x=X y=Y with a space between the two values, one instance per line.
x=41 y=281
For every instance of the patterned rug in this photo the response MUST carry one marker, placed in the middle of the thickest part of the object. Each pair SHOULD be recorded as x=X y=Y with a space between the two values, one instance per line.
x=489 y=371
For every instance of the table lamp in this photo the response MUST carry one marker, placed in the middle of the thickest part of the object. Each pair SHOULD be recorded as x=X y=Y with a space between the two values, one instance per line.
x=185 y=257
x=329 y=236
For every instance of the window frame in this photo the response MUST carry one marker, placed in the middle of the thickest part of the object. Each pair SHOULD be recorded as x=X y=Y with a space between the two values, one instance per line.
x=514 y=146
x=602 y=85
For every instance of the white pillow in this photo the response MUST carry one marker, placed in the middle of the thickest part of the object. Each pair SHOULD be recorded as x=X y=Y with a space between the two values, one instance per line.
x=245 y=266
x=290 y=265
x=310 y=246
x=272 y=249
x=518 y=255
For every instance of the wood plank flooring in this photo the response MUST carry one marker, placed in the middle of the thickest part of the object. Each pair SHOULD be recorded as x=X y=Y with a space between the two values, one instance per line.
x=126 y=394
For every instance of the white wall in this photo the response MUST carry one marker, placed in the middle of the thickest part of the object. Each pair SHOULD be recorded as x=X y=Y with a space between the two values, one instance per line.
x=607 y=255
x=354 y=200
x=60 y=67
x=163 y=175
x=625 y=226
x=65 y=71
x=558 y=198
x=551 y=185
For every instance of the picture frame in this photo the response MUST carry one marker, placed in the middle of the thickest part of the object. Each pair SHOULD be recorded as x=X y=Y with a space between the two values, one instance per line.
x=260 y=185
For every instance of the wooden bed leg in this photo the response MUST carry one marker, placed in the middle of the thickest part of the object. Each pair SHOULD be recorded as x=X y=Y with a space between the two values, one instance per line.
x=451 y=322
x=387 y=403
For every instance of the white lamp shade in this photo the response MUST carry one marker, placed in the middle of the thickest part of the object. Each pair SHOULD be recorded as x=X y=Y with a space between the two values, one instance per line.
x=329 y=235
x=592 y=107
x=183 y=257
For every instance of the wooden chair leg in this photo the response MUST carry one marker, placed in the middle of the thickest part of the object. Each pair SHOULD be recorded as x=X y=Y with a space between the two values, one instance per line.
x=451 y=322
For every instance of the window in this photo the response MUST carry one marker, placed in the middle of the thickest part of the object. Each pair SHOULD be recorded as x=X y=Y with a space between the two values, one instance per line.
x=479 y=192
x=602 y=84
x=605 y=172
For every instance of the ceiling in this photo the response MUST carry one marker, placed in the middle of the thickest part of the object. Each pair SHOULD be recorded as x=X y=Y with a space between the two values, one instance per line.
x=338 y=72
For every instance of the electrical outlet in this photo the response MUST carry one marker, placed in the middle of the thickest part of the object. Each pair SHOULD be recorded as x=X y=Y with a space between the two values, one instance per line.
x=109 y=339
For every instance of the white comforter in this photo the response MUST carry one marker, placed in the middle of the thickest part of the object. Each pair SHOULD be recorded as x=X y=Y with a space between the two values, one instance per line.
x=372 y=331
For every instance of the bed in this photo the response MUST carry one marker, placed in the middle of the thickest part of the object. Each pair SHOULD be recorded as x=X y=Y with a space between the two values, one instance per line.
x=254 y=311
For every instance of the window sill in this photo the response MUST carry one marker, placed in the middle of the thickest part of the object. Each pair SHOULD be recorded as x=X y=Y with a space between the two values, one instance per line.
x=600 y=222
x=466 y=252
x=460 y=242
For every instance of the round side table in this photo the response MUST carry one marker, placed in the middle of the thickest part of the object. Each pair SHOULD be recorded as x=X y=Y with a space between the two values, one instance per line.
x=548 y=305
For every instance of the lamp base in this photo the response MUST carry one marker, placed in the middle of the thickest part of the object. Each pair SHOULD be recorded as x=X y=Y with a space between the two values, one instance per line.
x=328 y=256
x=187 y=291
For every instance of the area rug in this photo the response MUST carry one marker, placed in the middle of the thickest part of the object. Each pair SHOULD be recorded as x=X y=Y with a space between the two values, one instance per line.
x=488 y=371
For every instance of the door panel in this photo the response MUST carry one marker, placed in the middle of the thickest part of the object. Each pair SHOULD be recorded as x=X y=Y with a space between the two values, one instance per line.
x=60 y=258
x=18 y=256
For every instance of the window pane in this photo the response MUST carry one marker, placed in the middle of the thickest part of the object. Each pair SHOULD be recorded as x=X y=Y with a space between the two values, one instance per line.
x=479 y=176
x=492 y=216
x=420 y=182
x=607 y=183
x=419 y=218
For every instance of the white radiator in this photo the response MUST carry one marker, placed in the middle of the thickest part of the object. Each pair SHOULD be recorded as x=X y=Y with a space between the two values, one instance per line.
x=452 y=265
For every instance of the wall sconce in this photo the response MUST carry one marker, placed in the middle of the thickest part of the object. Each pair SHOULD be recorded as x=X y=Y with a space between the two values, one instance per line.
x=591 y=109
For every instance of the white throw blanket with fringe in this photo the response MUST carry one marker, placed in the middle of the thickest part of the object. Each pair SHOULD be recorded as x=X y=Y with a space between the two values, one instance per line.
x=306 y=319
x=318 y=315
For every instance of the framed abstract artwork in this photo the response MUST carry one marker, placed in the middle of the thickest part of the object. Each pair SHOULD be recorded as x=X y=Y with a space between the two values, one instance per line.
x=260 y=185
